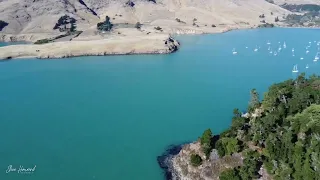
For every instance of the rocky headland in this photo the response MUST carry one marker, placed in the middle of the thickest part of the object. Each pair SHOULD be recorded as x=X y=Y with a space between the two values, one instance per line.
x=278 y=138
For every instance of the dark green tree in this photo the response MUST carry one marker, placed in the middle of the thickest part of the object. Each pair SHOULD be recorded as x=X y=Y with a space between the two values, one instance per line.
x=206 y=142
x=229 y=174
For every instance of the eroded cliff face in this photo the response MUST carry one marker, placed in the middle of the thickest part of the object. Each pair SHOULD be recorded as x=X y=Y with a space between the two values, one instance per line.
x=210 y=169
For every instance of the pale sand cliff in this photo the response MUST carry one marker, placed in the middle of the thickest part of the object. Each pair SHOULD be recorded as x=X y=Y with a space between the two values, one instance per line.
x=119 y=45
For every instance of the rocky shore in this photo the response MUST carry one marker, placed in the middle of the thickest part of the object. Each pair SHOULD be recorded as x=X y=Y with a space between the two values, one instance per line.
x=153 y=44
x=176 y=165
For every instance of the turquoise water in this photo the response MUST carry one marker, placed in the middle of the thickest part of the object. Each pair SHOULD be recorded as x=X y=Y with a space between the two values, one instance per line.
x=110 y=117
x=11 y=43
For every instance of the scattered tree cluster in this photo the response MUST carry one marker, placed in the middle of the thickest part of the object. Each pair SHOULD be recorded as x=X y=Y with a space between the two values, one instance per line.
x=284 y=137
x=105 y=25
x=66 y=23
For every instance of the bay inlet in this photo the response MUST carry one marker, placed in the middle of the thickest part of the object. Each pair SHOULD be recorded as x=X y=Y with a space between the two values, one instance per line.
x=109 y=117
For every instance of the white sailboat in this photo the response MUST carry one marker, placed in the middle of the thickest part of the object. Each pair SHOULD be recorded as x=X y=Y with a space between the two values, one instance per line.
x=256 y=49
x=307 y=66
x=234 y=51
x=307 y=51
x=269 y=48
x=295 y=69
x=268 y=42
x=292 y=49
x=317 y=56
x=275 y=53
x=301 y=58
x=284 y=45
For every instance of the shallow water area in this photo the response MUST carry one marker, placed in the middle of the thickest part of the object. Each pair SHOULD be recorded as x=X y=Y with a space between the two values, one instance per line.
x=110 y=117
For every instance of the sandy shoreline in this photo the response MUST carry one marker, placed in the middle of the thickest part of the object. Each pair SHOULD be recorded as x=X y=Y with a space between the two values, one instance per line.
x=155 y=44
x=115 y=45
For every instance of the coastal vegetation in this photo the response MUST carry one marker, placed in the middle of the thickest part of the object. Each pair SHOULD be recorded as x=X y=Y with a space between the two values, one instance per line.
x=43 y=41
x=3 y=24
x=280 y=134
x=306 y=19
x=264 y=23
x=69 y=33
x=301 y=7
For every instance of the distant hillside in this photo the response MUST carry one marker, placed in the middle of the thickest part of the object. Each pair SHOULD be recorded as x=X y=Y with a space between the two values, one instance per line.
x=40 y=16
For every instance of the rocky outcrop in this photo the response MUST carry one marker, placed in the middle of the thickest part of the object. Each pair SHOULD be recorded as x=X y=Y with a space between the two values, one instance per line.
x=166 y=163
x=178 y=167
x=157 y=44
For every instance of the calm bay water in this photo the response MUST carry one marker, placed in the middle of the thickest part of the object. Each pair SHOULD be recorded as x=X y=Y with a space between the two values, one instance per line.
x=110 y=117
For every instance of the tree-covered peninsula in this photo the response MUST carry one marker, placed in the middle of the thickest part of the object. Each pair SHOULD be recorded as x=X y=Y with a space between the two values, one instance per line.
x=278 y=138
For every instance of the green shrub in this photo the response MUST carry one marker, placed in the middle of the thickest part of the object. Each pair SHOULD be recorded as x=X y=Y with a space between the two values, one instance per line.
x=158 y=28
x=138 y=25
x=195 y=160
